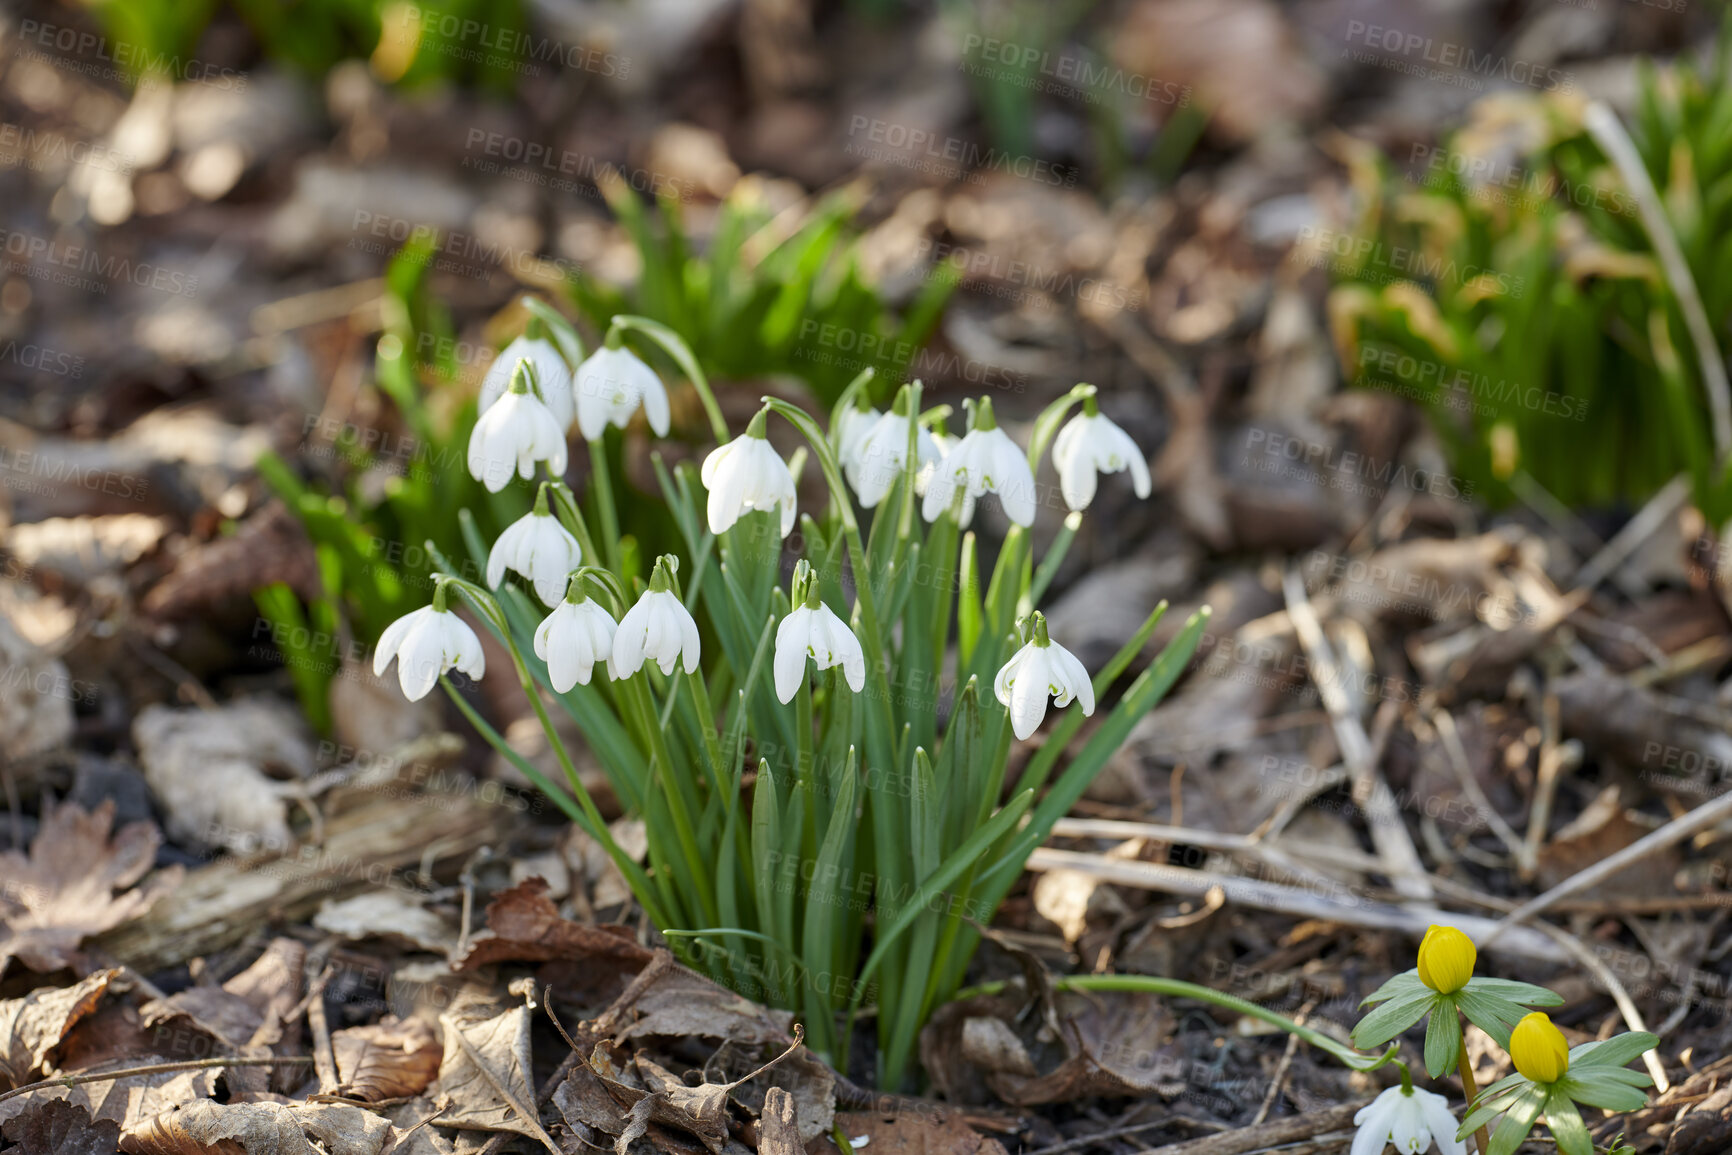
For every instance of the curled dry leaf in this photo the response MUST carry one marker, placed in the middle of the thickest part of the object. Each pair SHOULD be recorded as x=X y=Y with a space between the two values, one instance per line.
x=486 y=1065
x=390 y=1059
x=128 y=1101
x=206 y=1128
x=56 y=1127
x=523 y=925
x=915 y=1133
x=33 y=1026
x=64 y=891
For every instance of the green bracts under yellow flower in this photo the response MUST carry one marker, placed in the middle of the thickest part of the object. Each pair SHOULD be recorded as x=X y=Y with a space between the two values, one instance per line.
x=1446 y=958
x=1538 y=1049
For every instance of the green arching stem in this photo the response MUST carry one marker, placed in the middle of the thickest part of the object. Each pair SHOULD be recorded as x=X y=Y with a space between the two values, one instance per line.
x=603 y=482
x=1148 y=984
x=1469 y=1086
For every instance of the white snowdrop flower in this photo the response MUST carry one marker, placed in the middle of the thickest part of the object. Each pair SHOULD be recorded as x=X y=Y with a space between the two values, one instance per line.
x=574 y=637
x=746 y=474
x=425 y=644
x=610 y=386
x=552 y=385
x=539 y=548
x=1090 y=444
x=986 y=460
x=1409 y=1118
x=852 y=425
x=658 y=628
x=812 y=630
x=1039 y=669
x=882 y=452
x=515 y=432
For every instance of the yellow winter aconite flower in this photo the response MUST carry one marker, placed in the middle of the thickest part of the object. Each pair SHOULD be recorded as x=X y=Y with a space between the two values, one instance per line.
x=1446 y=958
x=1538 y=1049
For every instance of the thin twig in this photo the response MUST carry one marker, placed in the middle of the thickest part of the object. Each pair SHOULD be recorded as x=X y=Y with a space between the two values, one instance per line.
x=151 y=1069
x=1444 y=723
x=1640 y=528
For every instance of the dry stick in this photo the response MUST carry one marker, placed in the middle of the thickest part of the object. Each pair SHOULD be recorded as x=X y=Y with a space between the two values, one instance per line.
x=324 y=1058
x=1444 y=722
x=1603 y=125
x=1388 y=831
x=1282 y=1067
x=1244 y=1140
x=1640 y=528
x=152 y=1069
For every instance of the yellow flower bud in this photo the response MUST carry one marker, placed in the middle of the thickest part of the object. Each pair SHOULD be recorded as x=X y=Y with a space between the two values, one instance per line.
x=1446 y=958
x=1538 y=1049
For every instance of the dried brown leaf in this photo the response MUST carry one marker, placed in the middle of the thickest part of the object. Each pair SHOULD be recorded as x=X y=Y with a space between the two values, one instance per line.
x=128 y=1101
x=56 y=1127
x=486 y=1064
x=31 y=1028
x=524 y=926
x=390 y=1059
x=915 y=1133
x=64 y=891
x=207 y=1128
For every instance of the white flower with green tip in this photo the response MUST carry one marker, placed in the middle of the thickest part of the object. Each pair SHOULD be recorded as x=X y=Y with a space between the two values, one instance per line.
x=573 y=638
x=986 y=460
x=658 y=629
x=425 y=643
x=611 y=385
x=1039 y=670
x=747 y=474
x=1091 y=444
x=513 y=434
x=539 y=548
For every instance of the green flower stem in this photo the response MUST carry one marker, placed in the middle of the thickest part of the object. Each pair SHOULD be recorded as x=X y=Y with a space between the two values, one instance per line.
x=565 y=504
x=603 y=482
x=661 y=765
x=1148 y=984
x=1470 y=1088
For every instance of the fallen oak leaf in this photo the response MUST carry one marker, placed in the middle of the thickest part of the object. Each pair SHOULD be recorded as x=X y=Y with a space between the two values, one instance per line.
x=204 y=1127
x=486 y=1069
x=56 y=1127
x=31 y=1028
x=64 y=891
x=390 y=1059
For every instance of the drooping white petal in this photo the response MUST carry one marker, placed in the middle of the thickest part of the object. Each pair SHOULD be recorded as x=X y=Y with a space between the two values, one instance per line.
x=1440 y=1122
x=425 y=644
x=984 y=461
x=609 y=387
x=744 y=475
x=1072 y=678
x=1028 y=694
x=552 y=376
x=789 y=663
x=421 y=659
x=627 y=655
x=1011 y=478
x=1373 y=1123
x=464 y=649
x=392 y=639
x=847 y=652
x=516 y=431
x=1092 y=444
x=539 y=548
x=852 y=426
x=657 y=629
x=881 y=453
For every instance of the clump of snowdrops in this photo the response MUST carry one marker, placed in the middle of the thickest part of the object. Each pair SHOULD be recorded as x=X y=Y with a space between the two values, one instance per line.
x=815 y=727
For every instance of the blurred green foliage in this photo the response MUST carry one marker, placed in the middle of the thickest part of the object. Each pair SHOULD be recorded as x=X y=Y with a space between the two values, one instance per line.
x=1506 y=282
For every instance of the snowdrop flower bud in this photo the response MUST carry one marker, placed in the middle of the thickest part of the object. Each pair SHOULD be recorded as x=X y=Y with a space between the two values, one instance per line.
x=425 y=644
x=574 y=637
x=745 y=474
x=658 y=628
x=1409 y=1118
x=814 y=631
x=1038 y=669
x=852 y=425
x=1538 y=1049
x=611 y=384
x=539 y=548
x=881 y=454
x=515 y=430
x=1090 y=444
x=984 y=461
x=552 y=374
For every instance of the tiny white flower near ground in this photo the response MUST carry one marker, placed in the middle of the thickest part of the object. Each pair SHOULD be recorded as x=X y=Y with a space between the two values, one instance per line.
x=813 y=630
x=552 y=377
x=657 y=629
x=512 y=435
x=574 y=637
x=1409 y=1118
x=747 y=474
x=539 y=548
x=1090 y=444
x=986 y=460
x=610 y=386
x=1039 y=669
x=881 y=454
x=426 y=643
